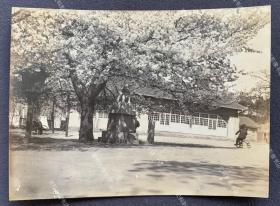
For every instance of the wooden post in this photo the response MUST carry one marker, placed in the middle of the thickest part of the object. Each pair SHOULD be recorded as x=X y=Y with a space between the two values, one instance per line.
x=191 y=120
x=151 y=131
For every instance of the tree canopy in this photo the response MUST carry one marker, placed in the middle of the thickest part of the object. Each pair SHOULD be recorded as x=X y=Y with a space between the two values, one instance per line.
x=89 y=53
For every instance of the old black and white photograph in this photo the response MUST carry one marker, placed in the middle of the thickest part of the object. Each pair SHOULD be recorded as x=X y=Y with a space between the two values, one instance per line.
x=107 y=103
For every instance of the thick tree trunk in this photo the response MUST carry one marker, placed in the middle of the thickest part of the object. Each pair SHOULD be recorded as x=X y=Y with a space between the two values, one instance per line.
x=86 y=126
x=67 y=125
x=52 y=116
x=20 y=117
x=28 y=129
x=87 y=97
x=67 y=116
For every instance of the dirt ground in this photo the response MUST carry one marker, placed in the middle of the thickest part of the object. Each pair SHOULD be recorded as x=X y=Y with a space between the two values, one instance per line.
x=52 y=166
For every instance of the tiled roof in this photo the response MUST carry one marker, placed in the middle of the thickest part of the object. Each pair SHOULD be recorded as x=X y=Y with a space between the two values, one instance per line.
x=157 y=93
x=231 y=105
x=154 y=92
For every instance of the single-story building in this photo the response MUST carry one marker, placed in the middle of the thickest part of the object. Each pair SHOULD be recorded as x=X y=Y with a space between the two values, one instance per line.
x=221 y=122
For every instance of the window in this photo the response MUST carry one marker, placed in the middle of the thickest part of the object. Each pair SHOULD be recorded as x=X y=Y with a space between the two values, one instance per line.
x=196 y=120
x=154 y=116
x=188 y=120
x=183 y=118
x=204 y=121
x=201 y=121
x=164 y=119
x=176 y=118
x=173 y=117
x=222 y=123
x=212 y=124
x=212 y=121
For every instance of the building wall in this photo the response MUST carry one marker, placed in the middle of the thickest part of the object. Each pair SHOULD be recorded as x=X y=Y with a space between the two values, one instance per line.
x=17 y=114
x=203 y=123
x=231 y=116
x=200 y=123
x=233 y=127
x=143 y=120
x=74 y=121
x=165 y=122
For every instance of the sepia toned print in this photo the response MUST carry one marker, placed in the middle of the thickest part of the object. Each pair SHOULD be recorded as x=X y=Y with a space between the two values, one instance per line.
x=121 y=103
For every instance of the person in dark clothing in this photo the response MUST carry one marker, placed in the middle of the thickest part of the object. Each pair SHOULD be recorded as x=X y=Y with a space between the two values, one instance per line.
x=37 y=126
x=242 y=134
x=135 y=124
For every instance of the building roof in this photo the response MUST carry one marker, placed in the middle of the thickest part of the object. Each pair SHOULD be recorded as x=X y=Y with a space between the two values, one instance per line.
x=157 y=93
x=231 y=105
x=154 y=92
x=248 y=122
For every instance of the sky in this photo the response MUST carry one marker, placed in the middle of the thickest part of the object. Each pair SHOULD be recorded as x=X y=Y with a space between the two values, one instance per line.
x=254 y=62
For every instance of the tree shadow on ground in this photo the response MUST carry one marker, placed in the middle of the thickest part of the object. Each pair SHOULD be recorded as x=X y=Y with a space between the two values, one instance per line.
x=17 y=142
x=190 y=145
x=189 y=170
x=48 y=143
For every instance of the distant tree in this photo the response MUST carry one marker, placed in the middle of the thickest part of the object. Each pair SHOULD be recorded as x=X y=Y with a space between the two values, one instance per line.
x=29 y=87
x=61 y=96
x=258 y=98
x=263 y=84
x=31 y=52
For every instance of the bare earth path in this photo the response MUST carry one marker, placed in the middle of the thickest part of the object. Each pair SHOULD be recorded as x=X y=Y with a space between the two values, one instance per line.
x=51 y=168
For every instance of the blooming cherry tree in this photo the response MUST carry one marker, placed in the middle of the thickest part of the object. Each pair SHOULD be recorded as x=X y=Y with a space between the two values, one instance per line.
x=186 y=55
